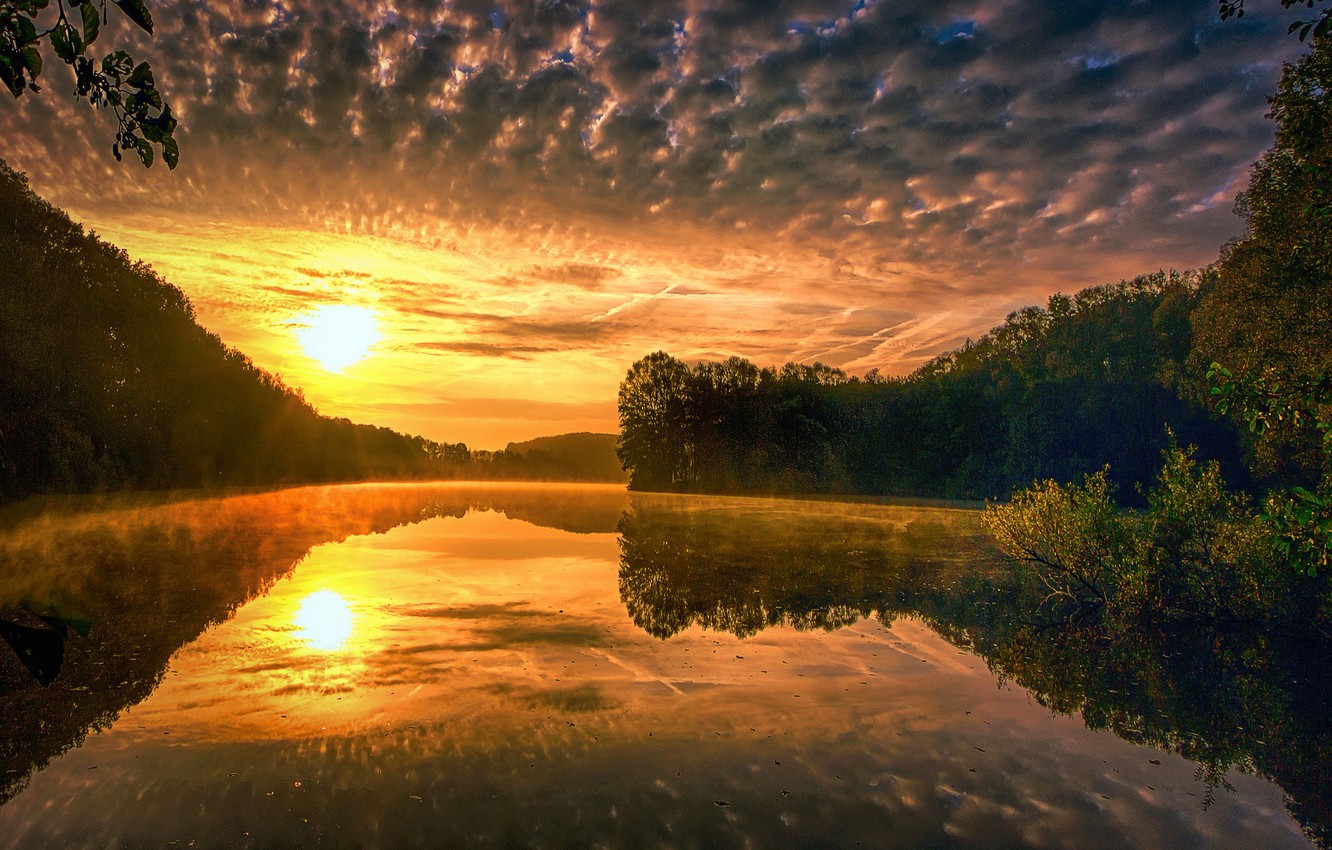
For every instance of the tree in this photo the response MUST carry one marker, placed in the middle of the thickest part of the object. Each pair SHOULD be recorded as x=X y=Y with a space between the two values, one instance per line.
x=654 y=426
x=116 y=83
x=1196 y=553
x=1299 y=520
x=1265 y=323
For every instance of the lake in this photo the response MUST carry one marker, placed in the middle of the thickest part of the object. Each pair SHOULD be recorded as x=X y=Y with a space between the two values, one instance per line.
x=466 y=665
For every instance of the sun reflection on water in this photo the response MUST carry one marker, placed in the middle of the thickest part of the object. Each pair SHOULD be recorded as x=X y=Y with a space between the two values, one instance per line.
x=324 y=620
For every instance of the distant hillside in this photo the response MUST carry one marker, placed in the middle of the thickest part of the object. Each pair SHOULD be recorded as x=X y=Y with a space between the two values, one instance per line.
x=107 y=382
x=573 y=457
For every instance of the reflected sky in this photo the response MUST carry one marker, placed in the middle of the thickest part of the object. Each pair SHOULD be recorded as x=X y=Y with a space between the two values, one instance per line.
x=470 y=678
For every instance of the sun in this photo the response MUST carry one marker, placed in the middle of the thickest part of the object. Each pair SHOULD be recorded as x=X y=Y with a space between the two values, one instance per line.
x=338 y=335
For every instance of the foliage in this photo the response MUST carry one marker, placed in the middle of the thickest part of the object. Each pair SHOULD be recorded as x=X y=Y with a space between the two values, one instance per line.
x=116 y=82
x=1197 y=552
x=1268 y=317
x=1052 y=393
x=1073 y=536
x=652 y=410
x=1266 y=313
x=1319 y=25
x=1299 y=520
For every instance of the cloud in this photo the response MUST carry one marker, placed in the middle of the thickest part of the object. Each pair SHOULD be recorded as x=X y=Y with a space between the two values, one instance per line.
x=722 y=113
x=487 y=349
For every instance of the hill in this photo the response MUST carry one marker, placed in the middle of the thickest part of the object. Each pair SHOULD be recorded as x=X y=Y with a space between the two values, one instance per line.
x=107 y=381
x=575 y=457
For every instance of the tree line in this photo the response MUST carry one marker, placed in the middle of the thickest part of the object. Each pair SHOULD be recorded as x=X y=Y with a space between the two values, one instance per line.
x=1056 y=391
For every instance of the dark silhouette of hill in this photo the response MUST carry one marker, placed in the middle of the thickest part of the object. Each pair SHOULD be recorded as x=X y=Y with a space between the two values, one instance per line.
x=580 y=456
x=108 y=382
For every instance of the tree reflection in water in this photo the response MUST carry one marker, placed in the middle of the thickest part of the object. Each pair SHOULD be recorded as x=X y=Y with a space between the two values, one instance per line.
x=97 y=594
x=1223 y=696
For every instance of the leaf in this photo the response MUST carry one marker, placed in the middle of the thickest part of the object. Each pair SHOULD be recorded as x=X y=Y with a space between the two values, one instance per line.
x=33 y=60
x=13 y=82
x=137 y=12
x=145 y=150
x=142 y=78
x=27 y=32
x=92 y=23
x=60 y=41
x=118 y=63
x=170 y=152
x=1305 y=495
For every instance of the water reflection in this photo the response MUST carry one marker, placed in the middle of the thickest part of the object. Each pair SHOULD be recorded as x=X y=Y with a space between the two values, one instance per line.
x=138 y=577
x=743 y=565
x=1222 y=696
x=324 y=621
x=713 y=676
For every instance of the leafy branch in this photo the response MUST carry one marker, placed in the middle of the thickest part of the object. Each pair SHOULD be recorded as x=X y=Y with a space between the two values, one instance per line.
x=1300 y=519
x=117 y=83
x=1319 y=26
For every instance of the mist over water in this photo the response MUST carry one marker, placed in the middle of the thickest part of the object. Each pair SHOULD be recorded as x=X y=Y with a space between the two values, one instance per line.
x=542 y=665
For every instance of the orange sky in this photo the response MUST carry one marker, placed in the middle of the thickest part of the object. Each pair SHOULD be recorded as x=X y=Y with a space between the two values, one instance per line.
x=502 y=340
x=529 y=198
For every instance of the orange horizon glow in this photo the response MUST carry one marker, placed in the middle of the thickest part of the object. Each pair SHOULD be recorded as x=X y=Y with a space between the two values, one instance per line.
x=514 y=338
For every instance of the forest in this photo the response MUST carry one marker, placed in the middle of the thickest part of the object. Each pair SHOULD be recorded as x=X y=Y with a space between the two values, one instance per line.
x=1055 y=392
x=107 y=382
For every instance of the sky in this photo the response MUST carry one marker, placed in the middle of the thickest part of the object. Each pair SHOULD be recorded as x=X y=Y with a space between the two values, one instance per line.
x=507 y=203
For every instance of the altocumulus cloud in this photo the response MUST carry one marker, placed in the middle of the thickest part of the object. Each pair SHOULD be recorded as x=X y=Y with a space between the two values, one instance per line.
x=922 y=129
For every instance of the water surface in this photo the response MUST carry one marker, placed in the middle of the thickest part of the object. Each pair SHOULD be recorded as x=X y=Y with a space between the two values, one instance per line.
x=546 y=666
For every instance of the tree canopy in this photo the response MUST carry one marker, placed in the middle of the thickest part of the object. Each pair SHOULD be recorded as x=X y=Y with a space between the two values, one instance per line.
x=1054 y=392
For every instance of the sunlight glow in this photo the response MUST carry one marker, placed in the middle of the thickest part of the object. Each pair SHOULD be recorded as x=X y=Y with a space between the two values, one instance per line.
x=324 y=620
x=338 y=335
